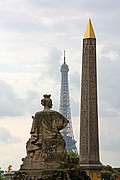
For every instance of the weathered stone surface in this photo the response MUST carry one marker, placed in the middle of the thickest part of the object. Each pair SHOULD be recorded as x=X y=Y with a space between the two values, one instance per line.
x=89 y=141
x=46 y=150
x=89 y=135
x=73 y=174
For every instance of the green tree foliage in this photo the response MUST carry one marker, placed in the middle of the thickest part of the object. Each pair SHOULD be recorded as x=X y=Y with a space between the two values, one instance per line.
x=109 y=173
x=72 y=154
x=1 y=176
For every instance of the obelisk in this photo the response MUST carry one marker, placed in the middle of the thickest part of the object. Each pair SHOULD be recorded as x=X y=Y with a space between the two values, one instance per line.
x=89 y=139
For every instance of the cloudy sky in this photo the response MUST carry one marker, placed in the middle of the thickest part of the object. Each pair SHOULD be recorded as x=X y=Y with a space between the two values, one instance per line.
x=33 y=36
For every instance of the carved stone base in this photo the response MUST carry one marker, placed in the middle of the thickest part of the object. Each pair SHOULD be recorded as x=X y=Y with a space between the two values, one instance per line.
x=51 y=155
x=93 y=170
x=63 y=174
x=46 y=153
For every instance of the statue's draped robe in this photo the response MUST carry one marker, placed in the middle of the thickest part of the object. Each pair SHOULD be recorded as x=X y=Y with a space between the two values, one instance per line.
x=46 y=150
x=46 y=125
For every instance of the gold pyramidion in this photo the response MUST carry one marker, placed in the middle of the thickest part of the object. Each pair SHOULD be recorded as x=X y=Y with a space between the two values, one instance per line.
x=89 y=33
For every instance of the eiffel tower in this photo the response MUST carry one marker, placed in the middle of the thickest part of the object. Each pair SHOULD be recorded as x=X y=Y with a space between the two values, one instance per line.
x=65 y=108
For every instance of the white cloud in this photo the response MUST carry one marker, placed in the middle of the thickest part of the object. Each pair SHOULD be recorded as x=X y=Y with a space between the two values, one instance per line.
x=10 y=104
x=108 y=156
x=6 y=137
x=17 y=132
x=112 y=55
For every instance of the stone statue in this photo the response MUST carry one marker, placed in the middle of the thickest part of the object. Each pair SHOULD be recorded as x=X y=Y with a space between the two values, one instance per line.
x=46 y=142
x=46 y=152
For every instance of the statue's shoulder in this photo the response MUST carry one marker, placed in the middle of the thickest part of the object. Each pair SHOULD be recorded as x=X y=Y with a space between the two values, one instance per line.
x=38 y=113
x=44 y=112
x=53 y=113
x=58 y=114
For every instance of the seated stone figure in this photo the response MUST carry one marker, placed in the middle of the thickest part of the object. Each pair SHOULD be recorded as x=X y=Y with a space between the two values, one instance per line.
x=46 y=147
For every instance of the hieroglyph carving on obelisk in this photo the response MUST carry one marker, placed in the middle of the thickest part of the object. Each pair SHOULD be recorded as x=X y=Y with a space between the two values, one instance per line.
x=89 y=139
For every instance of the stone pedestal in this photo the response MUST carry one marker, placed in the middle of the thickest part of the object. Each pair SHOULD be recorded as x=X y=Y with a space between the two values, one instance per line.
x=93 y=170
x=46 y=153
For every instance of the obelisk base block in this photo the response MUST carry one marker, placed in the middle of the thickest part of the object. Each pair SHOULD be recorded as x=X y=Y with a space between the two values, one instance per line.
x=92 y=170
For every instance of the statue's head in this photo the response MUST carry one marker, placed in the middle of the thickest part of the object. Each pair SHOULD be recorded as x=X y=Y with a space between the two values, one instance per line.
x=46 y=102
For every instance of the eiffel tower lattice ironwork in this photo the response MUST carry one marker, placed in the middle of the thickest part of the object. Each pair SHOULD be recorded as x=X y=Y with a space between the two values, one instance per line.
x=65 y=108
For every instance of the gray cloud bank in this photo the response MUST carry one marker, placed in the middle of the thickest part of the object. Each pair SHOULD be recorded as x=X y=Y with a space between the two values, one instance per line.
x=13 y=105
x=10 y=104
x=6 y=137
